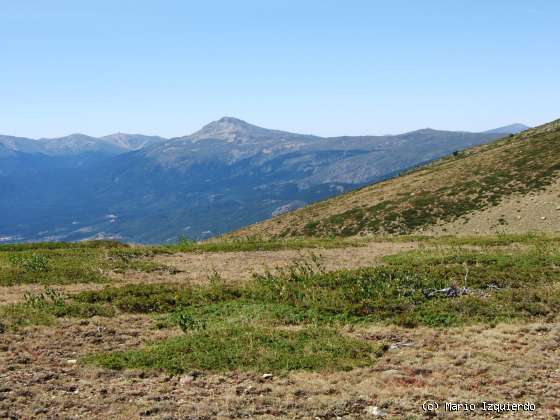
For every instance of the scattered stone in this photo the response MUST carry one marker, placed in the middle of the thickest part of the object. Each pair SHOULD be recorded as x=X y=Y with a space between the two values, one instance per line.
x=300 y=393
x=461 y=360
x=375 y=411
x=39 y=410
x=267 y=376
x=391 y=372
x=542 y=328
x=401 y=344
x=72 y=389
x=543 y=218
x=71 y=361
x=43 y=377
x=186 y=379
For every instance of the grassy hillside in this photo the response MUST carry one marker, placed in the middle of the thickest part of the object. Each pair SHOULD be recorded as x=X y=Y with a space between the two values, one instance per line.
x=444 y=191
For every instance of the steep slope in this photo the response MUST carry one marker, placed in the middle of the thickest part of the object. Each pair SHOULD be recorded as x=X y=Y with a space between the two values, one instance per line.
x=451 y=189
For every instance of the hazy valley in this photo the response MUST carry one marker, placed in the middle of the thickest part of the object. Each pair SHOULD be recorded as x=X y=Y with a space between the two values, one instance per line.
x=227 y=175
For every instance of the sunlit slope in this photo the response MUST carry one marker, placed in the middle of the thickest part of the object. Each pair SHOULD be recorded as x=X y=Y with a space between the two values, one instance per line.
x=448 y=191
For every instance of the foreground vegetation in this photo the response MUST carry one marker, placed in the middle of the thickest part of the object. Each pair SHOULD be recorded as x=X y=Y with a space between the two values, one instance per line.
x=60 y=263
x=294 y=317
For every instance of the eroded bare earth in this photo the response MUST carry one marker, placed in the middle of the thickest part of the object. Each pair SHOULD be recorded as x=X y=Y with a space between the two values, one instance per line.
x=39 y=379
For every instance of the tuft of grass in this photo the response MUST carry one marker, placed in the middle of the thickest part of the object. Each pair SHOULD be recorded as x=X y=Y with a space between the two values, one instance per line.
x=43 y=309
x=249 y=348
x=156 y=298
x=66 y=263
x=34 y=246
x=259 y=244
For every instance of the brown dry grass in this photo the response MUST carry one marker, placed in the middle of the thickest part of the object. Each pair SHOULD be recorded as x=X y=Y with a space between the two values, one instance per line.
x=446 y=183
x=511 y=362
x=231 y=266
x=535 y=212
x=506 y=363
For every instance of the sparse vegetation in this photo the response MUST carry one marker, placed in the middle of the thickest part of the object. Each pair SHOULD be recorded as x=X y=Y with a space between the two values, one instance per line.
x=443 y=191
x=279 y=309
x=43 y=309
x=260 y=244
x=66 y=263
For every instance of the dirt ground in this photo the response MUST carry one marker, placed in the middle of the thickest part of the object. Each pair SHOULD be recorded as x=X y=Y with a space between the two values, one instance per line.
x=39 y=376
x=231 y=266
x=538 y=212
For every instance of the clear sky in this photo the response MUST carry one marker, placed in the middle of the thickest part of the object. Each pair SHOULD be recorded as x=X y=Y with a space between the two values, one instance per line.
x=327 y=67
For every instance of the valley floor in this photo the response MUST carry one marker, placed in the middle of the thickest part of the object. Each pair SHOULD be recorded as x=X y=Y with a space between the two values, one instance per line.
x=65 y=344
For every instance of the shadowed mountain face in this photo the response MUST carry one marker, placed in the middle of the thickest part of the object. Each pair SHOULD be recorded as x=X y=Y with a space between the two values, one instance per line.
x=224 y=176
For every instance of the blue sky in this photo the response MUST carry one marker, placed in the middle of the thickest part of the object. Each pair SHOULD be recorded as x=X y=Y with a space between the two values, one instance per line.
x=327 y=67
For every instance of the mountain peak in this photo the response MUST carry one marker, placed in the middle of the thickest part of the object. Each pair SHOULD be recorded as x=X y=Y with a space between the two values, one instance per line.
x=231 y=120
x=228 y=129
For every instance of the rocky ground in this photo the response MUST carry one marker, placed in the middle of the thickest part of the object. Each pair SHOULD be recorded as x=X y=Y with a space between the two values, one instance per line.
x=42 y=374
x=538 y=211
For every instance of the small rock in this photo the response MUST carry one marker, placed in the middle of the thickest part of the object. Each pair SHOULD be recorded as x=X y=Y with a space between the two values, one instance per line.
x=461 y=360
x=557 y=207
x=267 y=376
x=391 y=372
x=39 y=410
x=543 y=218
x=71 y=361
x=186 y=379
x=300 y=393
x=375 y=411
x=541 y=328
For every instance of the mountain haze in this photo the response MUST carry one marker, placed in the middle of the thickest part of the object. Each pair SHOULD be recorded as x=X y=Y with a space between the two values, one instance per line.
x=226 y=175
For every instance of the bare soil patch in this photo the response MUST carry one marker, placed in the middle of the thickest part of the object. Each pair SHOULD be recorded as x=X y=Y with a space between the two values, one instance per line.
x=231 y=266
x=535 y=212
x=516 y=363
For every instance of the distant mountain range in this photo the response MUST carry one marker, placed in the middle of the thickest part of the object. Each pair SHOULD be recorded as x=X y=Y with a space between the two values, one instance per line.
x=509 y=129
x=226 y=175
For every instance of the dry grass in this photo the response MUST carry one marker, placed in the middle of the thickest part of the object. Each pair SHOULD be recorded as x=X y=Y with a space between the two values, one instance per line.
x=444 y=191
x=514 y=360
x=190 y=268
x=506 y=363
